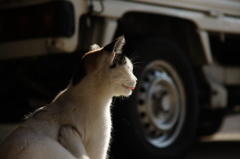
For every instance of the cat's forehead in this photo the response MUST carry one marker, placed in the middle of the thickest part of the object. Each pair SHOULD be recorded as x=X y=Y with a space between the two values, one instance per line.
x=129 y=63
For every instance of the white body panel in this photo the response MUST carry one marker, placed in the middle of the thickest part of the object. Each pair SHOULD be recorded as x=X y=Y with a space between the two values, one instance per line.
x=218 y=16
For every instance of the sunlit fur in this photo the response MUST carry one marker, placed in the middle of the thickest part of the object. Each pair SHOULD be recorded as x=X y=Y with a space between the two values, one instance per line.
x=84 y=108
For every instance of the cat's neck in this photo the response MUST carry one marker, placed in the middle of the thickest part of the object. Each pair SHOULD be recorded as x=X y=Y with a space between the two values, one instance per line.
x=89 y=92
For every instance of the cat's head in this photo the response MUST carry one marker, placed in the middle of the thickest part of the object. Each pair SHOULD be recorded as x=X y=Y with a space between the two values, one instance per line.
x=110 y=68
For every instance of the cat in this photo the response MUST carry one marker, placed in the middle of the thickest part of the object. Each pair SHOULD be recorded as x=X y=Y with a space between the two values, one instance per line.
x=77 y=124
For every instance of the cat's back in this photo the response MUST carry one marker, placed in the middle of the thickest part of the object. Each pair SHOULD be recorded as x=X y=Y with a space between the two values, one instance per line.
x=29 y=136
x=29 y=141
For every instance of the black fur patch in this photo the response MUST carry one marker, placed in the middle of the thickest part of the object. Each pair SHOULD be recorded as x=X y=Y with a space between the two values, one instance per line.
x=80 y=73
x=119 y=60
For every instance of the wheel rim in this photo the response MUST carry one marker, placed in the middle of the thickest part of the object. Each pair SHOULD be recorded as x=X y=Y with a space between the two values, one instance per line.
x=161 y=104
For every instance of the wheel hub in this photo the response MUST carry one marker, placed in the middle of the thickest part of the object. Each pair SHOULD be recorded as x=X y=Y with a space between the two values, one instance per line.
x=161 y=106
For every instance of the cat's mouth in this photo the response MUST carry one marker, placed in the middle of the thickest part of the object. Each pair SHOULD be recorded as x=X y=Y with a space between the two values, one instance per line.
x=127 y=87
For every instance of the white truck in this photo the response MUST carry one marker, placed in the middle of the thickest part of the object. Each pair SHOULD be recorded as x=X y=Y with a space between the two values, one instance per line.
x=187 y=64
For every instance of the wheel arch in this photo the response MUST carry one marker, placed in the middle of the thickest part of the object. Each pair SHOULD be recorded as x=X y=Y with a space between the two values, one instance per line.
x=183 y=32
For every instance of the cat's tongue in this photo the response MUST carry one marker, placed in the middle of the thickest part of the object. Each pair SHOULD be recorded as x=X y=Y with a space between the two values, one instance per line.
x=132 y=88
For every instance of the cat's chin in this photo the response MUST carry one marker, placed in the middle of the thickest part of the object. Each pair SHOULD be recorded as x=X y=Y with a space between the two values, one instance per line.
x=123 y=91
x=127 y=91
x=123 y=94
x=127 y=87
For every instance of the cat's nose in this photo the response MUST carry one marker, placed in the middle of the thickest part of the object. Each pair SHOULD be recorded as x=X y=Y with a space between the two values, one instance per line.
x=132 y=88
x=134 y=83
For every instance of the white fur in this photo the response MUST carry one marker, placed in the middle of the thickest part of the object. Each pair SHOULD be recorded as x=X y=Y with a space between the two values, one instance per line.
x=86 y=107
x=94 y=47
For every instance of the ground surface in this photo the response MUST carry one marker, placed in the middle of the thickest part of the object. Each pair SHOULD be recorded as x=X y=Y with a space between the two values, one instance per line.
x=223 y=145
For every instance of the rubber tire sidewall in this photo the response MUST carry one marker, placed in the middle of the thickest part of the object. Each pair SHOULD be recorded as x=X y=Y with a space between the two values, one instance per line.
x=127 y=130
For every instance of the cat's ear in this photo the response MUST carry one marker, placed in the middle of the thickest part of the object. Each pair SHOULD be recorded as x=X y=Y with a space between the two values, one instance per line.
x=94 y=47
x=115 y=46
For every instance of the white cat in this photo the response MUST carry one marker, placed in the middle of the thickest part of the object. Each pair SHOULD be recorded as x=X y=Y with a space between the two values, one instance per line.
x=77 y=124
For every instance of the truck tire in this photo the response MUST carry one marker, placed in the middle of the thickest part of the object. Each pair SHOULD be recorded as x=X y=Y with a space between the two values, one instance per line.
x=160 y=119
x=210 y=121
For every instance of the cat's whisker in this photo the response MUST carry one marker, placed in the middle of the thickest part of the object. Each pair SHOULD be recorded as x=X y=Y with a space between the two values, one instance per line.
x=137 y=63
x=134 y=56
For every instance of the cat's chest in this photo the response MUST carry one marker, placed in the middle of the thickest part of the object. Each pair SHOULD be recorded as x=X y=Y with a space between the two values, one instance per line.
x=98 y=134
x=98 y=137
x=98 y=123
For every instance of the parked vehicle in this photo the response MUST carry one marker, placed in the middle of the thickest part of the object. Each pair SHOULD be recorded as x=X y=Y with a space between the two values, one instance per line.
x=187 y=64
